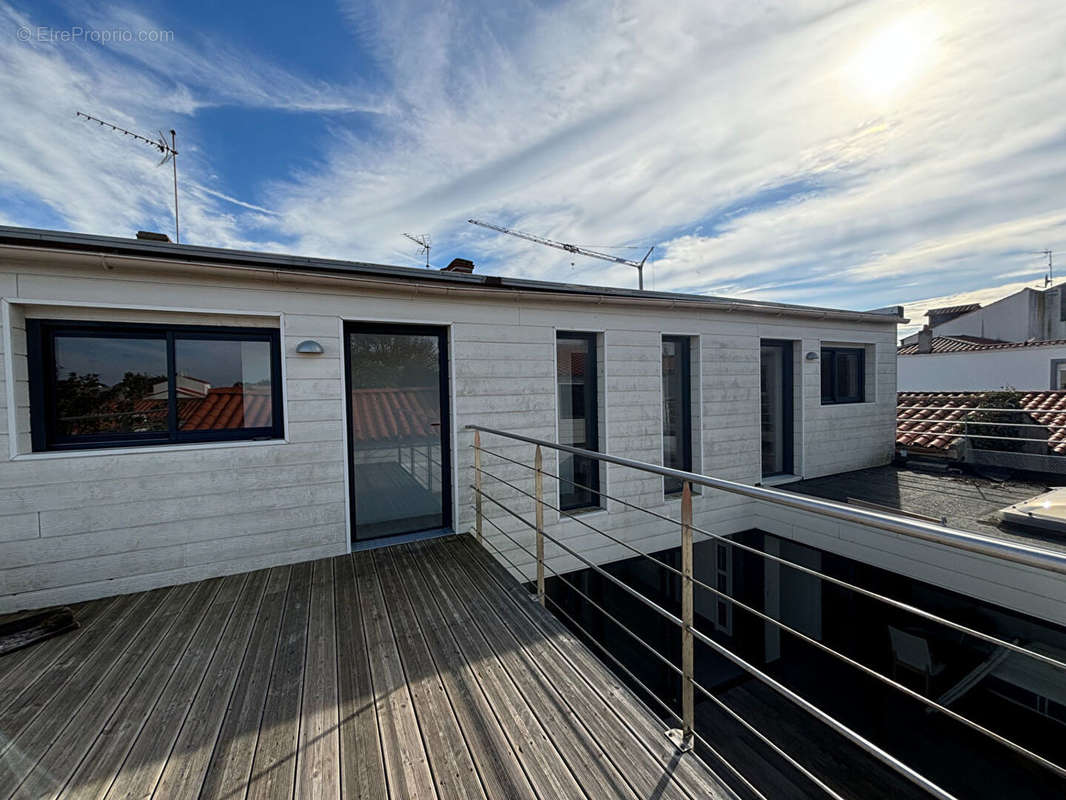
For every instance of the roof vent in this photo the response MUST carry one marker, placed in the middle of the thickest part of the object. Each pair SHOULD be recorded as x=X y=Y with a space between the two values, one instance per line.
x=152 y=236
x=462 y=265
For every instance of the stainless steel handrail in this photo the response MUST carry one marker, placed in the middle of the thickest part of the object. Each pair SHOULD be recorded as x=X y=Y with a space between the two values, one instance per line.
x=1026 y=555
x=914 y=695
x=1030 y=556
x=725 y=540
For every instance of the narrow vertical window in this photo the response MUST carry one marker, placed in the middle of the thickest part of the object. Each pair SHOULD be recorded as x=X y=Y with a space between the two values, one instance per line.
x=677 y=408
x=578 y=419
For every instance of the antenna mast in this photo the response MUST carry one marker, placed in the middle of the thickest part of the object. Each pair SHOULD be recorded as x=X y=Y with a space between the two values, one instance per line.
x=423 y=242
x=1050 y=275
x=572 y=248
x=169 y=151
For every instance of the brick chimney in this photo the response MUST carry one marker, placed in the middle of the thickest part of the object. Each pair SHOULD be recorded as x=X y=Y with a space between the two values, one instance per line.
x=462 y=265
x=925 y=340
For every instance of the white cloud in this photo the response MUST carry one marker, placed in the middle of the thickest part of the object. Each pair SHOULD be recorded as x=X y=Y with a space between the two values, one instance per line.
x=768 y=149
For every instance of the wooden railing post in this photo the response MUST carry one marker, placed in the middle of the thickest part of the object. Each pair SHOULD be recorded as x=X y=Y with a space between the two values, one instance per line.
x=477 y=484
x=538 y=483
x=683 y=736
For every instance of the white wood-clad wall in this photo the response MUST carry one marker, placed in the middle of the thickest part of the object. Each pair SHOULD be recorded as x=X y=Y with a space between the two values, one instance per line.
x=80 y=525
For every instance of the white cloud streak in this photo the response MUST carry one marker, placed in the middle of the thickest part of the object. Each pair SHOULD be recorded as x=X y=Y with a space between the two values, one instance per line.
x=736 y=135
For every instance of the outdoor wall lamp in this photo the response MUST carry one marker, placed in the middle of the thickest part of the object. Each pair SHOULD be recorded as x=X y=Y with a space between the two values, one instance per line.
x=309 y=347
x=812 y=356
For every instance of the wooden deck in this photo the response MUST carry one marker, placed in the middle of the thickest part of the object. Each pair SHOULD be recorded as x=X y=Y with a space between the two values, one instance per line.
x=414 y=671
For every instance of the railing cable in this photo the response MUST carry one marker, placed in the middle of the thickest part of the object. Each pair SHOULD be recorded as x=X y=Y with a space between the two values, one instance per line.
x=856 y=738
x=666 y=707
x=960 y=628
x=869 y=671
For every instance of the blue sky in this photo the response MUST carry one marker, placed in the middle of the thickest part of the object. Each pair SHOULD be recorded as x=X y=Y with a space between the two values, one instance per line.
x=842 y=154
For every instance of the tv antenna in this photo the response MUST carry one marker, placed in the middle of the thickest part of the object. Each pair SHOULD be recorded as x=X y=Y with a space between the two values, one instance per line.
x=1050 y=275
x=572 y=248
x=169 y=151
x=423 y=242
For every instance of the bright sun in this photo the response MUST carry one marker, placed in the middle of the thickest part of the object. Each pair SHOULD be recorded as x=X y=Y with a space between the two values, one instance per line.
x=891 y=59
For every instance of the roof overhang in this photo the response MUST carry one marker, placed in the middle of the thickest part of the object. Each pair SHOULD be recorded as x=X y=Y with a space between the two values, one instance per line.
x=31 y=239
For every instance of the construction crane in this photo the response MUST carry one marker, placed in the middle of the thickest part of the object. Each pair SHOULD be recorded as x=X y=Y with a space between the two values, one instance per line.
x=571 y=248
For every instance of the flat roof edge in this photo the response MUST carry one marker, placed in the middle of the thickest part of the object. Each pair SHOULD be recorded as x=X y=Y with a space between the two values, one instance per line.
x=11 y=236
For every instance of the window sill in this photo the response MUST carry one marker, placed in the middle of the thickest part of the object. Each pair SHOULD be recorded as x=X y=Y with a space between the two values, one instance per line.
x=162 y=448
x=582 y=512
x=779 y=480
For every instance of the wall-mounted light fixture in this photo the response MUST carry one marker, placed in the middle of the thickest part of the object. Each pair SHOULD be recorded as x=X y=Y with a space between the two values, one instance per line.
x=812 y=356
x=309 y=347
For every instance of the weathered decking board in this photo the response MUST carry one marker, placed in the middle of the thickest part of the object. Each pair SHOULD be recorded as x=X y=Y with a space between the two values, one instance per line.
x=415 y=671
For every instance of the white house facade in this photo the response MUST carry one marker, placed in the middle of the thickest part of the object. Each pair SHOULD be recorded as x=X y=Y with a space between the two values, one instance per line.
x=170 y=413
x=957 y=365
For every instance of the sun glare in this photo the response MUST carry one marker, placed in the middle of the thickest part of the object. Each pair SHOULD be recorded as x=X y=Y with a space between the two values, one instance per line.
x=895 y=57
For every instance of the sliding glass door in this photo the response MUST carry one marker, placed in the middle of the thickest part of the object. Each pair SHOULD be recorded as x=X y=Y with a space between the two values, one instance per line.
x=398 y=429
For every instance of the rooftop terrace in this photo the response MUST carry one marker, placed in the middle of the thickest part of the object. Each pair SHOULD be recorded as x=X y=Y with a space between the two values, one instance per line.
x=414 y=671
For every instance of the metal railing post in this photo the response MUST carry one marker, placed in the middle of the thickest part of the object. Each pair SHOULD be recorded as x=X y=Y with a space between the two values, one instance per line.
x=538 y=482
x=683 y=737
x=477 y=484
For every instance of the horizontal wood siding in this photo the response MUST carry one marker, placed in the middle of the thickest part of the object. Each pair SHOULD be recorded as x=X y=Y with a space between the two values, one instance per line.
x=81 y=525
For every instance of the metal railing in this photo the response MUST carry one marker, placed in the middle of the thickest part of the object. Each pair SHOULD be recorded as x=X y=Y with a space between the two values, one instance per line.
x=685 y=735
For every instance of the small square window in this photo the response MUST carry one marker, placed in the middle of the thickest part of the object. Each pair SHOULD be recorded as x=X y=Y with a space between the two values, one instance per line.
x=843 y=375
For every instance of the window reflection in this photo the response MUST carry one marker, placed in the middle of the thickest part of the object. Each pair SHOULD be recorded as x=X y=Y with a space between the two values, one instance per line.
x=109 y=385
x=397 y=446
x=576 y=384
x=222 y=384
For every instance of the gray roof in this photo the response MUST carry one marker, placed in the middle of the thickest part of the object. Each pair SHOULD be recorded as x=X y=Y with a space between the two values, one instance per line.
x=81 y=242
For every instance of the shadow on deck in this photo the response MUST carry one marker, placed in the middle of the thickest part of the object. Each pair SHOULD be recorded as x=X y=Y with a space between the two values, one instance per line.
x=415 y=671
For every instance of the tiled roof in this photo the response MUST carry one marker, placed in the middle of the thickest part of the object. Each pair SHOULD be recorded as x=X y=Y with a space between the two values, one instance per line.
x=963 y=309
x=391 y=415
x=939 y=429
x=958 y=344
x=222 y=408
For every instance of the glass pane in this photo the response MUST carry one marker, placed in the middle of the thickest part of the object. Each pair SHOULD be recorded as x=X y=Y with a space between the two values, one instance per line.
x=772 y=410
x=223 y=384
x=849 y=385
x=676 y=423
x=108 y=385
x=397 y=460
x=827 y=376
x=576 y=382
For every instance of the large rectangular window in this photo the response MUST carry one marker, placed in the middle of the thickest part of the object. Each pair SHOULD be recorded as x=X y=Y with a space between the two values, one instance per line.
x=576 y=360
x=843 y=375
x=677 y=408
x=119 y=385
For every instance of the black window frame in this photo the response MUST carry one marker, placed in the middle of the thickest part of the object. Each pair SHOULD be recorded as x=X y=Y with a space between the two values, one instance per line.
x=41 y=335
x=684 y=357
x=587 y=498
x=830 y=355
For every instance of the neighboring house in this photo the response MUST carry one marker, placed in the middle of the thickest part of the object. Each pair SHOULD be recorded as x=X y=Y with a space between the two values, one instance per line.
x=1027 y=315
x=971 y=364
x=173 y=412
x=948 y=425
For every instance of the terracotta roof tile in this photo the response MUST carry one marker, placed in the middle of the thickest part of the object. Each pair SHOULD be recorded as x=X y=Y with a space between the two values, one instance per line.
x=390 y=415
x=956 y=344
x=939 y=429
x=963 y=309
